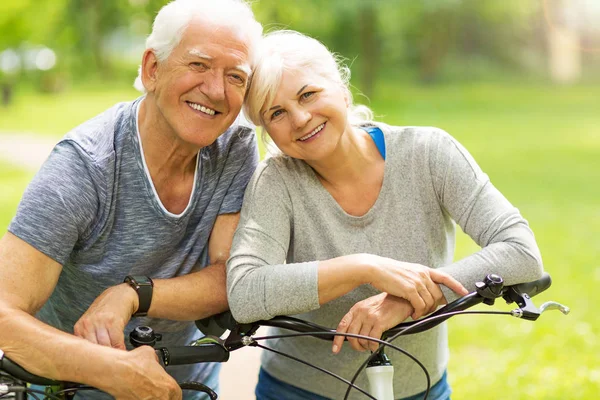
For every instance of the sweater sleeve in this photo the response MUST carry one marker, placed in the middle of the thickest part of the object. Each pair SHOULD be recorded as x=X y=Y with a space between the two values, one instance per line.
x=259 y=283
x=508 y=246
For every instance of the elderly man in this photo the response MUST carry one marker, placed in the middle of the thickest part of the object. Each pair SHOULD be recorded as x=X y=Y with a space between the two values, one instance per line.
x=144 y=193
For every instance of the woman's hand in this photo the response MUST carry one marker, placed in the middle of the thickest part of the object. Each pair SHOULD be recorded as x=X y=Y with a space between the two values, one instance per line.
x=414 y=282
x=371 y=317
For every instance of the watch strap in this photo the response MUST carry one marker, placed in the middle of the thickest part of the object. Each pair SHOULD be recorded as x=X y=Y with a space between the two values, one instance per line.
x=143 y=286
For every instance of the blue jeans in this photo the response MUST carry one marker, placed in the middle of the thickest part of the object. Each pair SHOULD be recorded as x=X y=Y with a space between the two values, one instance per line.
x=270 y=388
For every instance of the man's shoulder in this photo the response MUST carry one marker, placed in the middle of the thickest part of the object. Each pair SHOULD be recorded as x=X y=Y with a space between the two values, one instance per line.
x=233 y=146
x=241 y=133
x=97 y=136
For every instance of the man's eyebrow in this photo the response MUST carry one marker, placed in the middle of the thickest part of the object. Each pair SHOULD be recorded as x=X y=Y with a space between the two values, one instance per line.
x=198 y=53
x=245 y=68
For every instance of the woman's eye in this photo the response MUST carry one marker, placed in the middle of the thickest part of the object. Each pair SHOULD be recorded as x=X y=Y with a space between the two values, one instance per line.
x=276 y=114
x=307 y=95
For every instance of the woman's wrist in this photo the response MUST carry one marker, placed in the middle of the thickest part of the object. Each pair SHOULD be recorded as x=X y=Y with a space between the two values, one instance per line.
x=365 y=269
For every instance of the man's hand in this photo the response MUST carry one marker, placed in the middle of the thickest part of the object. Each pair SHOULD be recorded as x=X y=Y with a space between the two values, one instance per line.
x=104 y=321
x=371 y=317
x=140 y=376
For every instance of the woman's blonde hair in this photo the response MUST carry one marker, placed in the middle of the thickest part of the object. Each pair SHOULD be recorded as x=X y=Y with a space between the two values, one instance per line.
x=287 y=50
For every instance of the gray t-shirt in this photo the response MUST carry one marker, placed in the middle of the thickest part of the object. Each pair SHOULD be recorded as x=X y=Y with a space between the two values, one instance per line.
x=289 y=220
x=92 y=207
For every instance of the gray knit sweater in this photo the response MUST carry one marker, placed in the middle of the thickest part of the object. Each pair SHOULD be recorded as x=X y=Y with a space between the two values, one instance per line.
x=289 y=222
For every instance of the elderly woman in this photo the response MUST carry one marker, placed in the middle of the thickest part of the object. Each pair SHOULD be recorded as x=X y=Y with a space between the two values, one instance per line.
x=353 y=226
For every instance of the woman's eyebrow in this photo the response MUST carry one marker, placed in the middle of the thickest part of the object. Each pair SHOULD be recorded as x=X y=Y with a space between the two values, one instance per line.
x=301 y=89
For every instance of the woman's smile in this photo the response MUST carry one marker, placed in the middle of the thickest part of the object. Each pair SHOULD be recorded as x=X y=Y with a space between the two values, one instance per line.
x=314 y=134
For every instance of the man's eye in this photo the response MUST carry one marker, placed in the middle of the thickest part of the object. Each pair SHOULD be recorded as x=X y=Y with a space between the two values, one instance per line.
x=238 y=79
x=307 y=95
x=199 y=65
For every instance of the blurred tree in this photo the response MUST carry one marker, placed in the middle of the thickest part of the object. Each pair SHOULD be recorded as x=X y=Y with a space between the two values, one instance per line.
x=91 y=22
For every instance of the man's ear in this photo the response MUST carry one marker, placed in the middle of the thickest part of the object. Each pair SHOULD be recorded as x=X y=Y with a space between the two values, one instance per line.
x=149 y=70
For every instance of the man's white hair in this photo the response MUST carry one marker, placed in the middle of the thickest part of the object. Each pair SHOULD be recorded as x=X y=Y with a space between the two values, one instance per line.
x=173 y=19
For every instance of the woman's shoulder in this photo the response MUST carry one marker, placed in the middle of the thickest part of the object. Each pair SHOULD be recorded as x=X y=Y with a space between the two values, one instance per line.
x=285 y=166
x=277 y=170
x=408 y=132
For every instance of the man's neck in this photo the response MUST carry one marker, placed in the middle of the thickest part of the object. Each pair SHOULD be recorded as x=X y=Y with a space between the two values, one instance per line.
x=171 y=162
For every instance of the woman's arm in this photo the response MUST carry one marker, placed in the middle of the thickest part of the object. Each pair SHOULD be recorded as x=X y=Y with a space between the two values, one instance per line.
x=261 y=286
x=508 y=245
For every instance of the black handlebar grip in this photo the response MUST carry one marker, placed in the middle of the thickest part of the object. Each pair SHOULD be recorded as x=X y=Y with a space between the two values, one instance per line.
x=18 y=372
x=535 y=287
x=183 y=355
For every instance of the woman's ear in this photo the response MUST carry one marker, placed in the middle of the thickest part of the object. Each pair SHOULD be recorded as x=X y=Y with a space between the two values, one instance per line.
x=149 y=73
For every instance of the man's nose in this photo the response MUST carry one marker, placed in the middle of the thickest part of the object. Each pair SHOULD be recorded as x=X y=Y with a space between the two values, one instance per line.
x=214 y=86
x=300 y=118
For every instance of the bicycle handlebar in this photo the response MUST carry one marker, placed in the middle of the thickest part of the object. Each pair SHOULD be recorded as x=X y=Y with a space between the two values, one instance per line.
x=214 y=349
x=487 y=291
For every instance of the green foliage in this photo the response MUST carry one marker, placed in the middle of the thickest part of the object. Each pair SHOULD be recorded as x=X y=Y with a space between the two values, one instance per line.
x=377 y=36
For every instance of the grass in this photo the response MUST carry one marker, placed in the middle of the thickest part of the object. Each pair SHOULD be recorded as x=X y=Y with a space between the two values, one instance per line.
x=540 y=145
x=59 y=112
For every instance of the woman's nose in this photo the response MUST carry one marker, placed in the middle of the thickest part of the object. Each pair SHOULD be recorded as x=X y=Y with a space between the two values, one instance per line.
x=300 y=118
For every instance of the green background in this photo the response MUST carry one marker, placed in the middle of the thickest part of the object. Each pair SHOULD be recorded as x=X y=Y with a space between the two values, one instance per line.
x=479 y=70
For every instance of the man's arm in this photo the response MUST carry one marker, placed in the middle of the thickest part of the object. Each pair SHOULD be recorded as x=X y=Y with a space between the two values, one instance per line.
x=202 y=293
x=27 y=278
x=185 y=298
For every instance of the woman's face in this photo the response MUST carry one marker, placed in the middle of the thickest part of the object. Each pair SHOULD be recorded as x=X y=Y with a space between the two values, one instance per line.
x=308 y=115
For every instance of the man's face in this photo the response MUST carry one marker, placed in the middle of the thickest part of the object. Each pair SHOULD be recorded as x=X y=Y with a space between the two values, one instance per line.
x=200 y=88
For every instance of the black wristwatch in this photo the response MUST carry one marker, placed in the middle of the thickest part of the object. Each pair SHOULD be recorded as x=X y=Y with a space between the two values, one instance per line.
x=143 y=286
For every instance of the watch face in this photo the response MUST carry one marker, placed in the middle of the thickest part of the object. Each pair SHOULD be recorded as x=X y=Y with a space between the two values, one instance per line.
x=139 y=280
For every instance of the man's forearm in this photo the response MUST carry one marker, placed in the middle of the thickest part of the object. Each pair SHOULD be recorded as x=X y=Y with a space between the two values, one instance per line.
x=190 y=297
x=51 y=353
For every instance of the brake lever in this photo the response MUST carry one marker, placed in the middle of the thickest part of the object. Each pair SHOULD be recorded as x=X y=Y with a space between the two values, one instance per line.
x=553 y=305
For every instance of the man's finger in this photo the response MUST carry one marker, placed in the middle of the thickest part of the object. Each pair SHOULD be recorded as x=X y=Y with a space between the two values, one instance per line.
x=102 y=336
x=117 y=338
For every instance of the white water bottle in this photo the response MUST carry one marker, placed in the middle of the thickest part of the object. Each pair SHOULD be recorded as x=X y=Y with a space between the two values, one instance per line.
x=381 y=381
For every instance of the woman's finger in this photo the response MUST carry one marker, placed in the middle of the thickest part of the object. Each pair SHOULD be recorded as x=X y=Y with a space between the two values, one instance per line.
x=342 y=327
x=449 y=282
x=376 y=333
x=365 y=330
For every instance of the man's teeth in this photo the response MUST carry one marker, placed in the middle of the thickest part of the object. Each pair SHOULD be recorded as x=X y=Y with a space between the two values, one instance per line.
x=202 y=108
x=313 y=133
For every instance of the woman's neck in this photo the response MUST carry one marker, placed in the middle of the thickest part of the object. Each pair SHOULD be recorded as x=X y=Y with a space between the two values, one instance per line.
x=350 y=162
